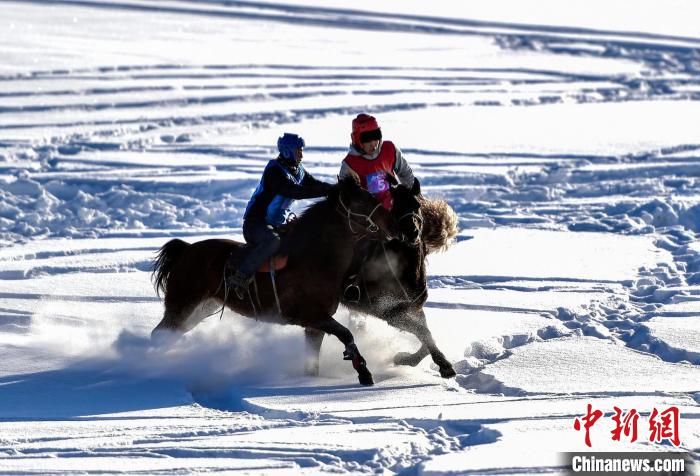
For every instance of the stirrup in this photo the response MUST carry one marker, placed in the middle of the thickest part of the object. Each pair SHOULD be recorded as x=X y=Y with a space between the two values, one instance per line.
x=352 y=294
x=239 y=283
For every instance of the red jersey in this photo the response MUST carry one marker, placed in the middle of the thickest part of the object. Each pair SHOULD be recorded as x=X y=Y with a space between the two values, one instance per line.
x=372 y=172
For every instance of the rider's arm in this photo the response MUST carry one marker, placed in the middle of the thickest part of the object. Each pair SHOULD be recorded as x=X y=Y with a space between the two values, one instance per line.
x=402 y=169
x=315 y=186
x=278 y=182
x=346 y=172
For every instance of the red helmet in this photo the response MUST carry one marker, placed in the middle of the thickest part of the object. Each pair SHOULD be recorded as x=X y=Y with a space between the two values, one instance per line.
x=364 y=123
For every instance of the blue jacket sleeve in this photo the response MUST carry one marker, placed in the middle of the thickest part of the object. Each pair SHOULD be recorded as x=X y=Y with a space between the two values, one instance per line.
x=310 y=187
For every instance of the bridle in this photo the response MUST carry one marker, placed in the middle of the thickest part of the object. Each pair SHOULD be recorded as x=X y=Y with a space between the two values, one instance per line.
x=415 y=216
x=370 y=226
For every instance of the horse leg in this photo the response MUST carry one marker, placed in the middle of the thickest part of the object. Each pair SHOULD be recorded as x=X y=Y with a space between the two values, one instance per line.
x=412 y=359
x=167 y=323
x=331 y=326
x=314 y=338
x=416 y=324
x=168 y=327
x=404 y=321
x=178 y=319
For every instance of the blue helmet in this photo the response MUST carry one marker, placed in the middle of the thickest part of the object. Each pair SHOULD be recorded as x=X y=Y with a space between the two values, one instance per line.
x=288 y=143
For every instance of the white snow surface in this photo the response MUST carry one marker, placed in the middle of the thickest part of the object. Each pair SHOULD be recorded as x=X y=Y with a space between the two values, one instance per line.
x=563 y=134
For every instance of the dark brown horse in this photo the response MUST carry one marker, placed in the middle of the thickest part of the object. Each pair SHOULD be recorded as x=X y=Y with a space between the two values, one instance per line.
x=391 y=277
x=308 y=290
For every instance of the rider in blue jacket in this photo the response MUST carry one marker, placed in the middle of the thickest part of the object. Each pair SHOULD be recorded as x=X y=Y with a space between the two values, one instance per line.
x=283 y=181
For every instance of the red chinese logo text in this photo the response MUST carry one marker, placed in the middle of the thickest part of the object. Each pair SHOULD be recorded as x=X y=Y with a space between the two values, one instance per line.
x=662 y=425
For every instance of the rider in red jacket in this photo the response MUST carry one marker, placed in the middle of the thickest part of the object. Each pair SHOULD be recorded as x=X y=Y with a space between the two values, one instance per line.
x=370 y=159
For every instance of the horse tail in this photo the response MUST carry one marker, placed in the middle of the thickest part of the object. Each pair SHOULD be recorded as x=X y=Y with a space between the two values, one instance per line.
x=164 y=262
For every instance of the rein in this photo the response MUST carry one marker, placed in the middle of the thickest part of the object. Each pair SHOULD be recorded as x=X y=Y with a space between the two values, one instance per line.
x=371 y=227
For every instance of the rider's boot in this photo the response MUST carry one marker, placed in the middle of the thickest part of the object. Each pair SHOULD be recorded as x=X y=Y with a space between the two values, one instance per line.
x=239 y=283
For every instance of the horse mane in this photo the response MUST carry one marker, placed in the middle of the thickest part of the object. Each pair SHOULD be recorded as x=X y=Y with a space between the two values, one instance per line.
x=440 y=224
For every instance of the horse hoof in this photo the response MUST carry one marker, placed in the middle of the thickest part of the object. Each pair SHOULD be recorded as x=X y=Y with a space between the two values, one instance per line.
x=447 y=372
x=405 y=358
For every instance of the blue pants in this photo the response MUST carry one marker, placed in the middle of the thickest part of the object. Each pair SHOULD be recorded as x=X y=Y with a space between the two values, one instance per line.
x=263 y=242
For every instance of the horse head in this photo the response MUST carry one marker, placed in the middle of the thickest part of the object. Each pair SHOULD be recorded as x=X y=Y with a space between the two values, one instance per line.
x=407 y=210
x=365 y=214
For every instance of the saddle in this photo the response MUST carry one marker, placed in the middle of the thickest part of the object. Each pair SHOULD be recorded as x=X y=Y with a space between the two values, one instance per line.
x=278 y=262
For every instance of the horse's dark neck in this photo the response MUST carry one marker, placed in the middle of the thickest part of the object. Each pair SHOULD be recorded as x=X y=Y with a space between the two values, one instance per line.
x=419 y=271
x=403 y=271
x=413 y=267
x=322 y=227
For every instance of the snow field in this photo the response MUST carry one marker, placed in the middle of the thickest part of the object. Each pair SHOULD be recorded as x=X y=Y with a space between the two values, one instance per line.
x=562 y=137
